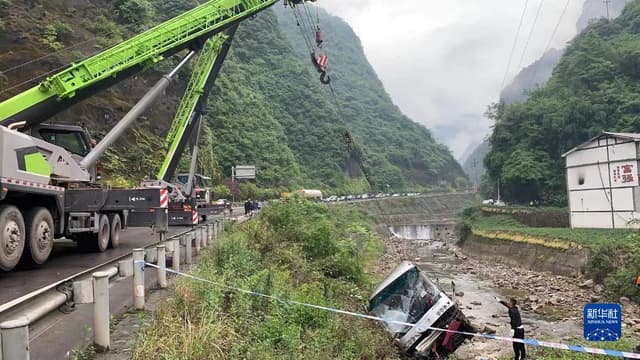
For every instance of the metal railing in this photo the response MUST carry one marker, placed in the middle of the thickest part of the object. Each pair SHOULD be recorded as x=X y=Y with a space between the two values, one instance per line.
x=92 y=287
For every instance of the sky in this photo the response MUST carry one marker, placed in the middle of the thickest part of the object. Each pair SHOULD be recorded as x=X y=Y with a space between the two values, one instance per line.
x=443 y=62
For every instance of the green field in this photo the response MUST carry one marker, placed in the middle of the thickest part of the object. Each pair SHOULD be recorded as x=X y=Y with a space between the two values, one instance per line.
x=584 y=237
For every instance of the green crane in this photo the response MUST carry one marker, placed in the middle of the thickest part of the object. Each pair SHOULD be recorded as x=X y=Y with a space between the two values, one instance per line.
x=85 y=78
x=188 y=203
x=46 y=175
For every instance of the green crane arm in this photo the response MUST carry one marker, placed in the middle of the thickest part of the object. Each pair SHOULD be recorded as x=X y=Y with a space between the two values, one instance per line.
x=83 y=79
x=192 y=106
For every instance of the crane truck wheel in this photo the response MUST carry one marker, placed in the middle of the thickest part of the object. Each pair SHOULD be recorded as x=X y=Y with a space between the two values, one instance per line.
x=39 y=230
x=11 y=237
x=116 y=225
x=96 y=241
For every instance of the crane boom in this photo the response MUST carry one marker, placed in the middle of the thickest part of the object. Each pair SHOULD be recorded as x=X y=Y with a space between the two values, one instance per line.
x=191 y=107
x=83 y=79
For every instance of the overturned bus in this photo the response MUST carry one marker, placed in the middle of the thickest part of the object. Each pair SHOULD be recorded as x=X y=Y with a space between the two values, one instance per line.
x=408 y=296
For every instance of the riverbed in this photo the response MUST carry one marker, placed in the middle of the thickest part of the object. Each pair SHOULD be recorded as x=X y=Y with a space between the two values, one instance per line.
x=551 y=306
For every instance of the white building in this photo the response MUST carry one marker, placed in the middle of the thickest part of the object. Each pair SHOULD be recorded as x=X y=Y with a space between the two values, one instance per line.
x=602 y=182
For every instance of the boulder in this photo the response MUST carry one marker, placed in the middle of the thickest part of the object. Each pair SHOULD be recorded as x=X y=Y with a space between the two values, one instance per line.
x=587 y=284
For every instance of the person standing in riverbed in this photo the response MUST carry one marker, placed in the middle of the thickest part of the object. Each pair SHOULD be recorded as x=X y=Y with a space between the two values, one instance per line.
x=516 y=327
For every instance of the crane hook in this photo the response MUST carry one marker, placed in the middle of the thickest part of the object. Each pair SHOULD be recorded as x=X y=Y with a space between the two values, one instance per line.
x=325 y=78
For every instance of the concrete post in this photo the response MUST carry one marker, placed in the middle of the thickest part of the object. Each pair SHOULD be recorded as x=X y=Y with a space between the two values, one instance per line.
x=214 y=235
x=138 y=279
x=194 y=235
x=175 y=262
x=204 y=235
x=162 y=265
x=220 y=227
x=188 y=243
x=15 y=339
x=101 y=336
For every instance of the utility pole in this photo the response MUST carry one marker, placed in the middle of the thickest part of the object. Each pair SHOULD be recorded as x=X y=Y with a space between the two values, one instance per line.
x=606 y=3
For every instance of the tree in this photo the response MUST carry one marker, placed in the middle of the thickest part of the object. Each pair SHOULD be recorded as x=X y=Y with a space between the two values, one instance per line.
x=221 y=192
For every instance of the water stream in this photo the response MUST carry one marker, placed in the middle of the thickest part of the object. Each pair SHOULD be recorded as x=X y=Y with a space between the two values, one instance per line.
x=478 y=302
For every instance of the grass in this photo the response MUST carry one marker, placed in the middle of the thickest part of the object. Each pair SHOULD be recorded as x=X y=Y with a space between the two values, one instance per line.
x=516 y=293
x=582 y=237
x=298 y=250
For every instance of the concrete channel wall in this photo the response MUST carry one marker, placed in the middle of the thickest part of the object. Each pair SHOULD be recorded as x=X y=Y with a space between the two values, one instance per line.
x=567 y=261
x=418 y=210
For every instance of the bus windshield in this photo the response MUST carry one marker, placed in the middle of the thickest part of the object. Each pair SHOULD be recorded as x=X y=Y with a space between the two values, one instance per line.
x=407 y=299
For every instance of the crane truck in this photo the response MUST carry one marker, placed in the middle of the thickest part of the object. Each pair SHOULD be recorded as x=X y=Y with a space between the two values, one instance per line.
x=48 y=183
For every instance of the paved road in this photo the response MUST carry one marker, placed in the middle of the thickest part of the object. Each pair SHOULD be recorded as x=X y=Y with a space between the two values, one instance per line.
x=68 y=260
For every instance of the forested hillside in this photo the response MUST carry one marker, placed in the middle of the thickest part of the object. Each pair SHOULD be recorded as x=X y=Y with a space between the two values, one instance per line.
x=268 y=107
x=593 y=88
x=473 y=166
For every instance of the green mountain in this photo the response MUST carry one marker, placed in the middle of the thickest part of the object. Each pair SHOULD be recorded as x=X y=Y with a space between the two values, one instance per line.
x=473 y=166
x=267 y=109
x=594 y=88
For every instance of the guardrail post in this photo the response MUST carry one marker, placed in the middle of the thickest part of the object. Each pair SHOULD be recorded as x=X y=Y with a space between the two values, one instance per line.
x=175 y=261
x=212 y=233
x=188 y=248
x=194 y=235
x=220 y=227
x=162 y=265
x=204 y=236
x=15 y=339
x=101 y=336
x=138 y=279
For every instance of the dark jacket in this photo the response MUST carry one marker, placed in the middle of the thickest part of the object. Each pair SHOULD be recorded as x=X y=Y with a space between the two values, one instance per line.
x=514 y=315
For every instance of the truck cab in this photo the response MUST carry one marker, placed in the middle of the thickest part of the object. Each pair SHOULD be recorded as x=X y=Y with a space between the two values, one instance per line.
x=408 y=296
x=201 y=189
x=75 y=139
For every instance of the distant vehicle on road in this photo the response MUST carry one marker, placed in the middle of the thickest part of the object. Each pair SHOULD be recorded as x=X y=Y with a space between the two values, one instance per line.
x=493 y=202
x=309 y=194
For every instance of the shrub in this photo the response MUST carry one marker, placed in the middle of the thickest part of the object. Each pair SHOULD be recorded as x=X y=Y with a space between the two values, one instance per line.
x=282 y=253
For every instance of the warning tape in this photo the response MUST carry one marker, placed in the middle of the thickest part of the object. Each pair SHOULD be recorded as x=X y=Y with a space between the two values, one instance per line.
x=531 y=342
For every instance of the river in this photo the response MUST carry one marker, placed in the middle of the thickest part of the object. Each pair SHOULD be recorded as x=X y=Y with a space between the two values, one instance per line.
x=477 y=293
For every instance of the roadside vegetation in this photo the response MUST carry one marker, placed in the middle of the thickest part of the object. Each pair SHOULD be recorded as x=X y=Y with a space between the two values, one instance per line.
x=297 y=250
x=615 y=255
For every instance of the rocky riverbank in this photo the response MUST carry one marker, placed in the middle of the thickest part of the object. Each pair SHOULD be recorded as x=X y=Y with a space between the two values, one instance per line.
x=551 y=305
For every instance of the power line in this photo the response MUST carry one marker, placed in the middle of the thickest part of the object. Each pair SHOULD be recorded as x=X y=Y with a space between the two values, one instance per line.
x=555 y=29
x=533 y=27
x=515 y=43
x=8 y=70
x=553 y=35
